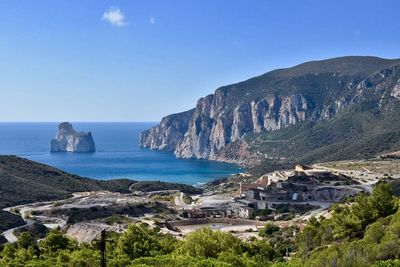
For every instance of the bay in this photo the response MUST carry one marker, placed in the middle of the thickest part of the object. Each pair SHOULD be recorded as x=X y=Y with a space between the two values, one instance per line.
x=118 y=154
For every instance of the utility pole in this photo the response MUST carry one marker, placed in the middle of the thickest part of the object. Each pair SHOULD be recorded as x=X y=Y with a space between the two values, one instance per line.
x=102 y=244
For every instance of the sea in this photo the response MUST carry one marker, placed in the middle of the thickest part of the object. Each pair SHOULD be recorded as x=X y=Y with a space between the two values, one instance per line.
x=118 y=154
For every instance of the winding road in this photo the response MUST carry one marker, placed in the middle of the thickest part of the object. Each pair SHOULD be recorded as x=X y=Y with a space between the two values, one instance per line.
x=9 y=234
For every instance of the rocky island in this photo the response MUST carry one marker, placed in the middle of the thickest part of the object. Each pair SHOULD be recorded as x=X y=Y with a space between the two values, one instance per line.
x=69 y=140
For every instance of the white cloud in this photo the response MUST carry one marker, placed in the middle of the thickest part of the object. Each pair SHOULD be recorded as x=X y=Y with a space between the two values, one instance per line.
x=152 y=20
x=114 y=16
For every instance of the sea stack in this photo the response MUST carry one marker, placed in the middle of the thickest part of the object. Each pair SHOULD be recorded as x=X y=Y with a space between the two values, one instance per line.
x=68 y=140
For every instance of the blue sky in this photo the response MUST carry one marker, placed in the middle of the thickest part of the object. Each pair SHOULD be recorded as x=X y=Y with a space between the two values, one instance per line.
x=99 y=60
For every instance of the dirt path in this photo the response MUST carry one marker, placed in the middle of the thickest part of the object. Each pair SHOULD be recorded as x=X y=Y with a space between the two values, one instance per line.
x=9 y=234
x=79 y=200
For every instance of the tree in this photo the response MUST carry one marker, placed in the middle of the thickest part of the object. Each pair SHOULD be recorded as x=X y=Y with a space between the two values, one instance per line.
x=382 y=200
x=8 y=251
x=23 y=255
x=268 y=230
x=308 y=239
x=362 y=209
x=25 y=240
x=261 y=250
x=168 y=243
x=56 y=241
x=351 y=221
x=139 y=241
x=388 y=263
x=375 y=232
x=85 y=258
x=206 y=243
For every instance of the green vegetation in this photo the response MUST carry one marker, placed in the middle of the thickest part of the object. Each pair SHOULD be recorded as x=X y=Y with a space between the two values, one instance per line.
x=343 y=109
x=372 y=133
x=116 y=219
x=164 y=198
x=141 y=246
x=24 y=181
x=9 y=220
x=268 y=230
x=36 y=230
x=364 y=232
x=365 y=126
x=317 y=80
x=187 y=199
x=358 y=234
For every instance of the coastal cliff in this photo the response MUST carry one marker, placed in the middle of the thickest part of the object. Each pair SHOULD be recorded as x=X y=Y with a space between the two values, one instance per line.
x=236 y=123
x=68 y=140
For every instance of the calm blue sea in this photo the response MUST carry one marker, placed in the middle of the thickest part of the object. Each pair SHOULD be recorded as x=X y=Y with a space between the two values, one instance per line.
x=118 y=154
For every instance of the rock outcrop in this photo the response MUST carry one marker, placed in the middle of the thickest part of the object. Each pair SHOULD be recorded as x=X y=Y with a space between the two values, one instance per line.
x=68 y=140
x=224 y=125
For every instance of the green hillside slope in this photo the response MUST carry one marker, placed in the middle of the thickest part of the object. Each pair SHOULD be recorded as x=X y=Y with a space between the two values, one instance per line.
x=24 y=181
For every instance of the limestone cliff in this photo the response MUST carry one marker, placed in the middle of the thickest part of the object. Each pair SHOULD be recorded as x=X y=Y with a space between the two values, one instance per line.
x=68 y=140
x=311 y=92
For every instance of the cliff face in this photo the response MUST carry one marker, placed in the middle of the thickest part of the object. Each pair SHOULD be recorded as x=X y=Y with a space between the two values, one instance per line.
x=68 y=140
x=224 y=125
x=210 y=129
x=168 y=134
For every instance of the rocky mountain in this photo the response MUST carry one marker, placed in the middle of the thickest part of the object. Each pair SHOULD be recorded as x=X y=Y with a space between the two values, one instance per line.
x=68 y=140
x=338 y=108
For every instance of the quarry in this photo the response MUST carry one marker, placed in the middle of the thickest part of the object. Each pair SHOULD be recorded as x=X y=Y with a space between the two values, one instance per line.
x=285 y=197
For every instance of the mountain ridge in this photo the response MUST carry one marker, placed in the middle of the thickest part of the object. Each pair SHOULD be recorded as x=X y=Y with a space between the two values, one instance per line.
x=222 y=125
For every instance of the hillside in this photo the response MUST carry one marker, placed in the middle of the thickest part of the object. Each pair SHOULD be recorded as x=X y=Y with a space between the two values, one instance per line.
x=362 y=231
x=149 y=186
x=24 y=181
x=332 y=109
x=9 y=220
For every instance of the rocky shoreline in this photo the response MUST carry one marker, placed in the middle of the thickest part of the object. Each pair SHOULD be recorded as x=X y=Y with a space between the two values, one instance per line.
x=228 y=125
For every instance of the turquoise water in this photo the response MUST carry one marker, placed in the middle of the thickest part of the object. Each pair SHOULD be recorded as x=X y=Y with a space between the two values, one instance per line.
x=118 y=154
